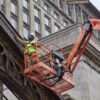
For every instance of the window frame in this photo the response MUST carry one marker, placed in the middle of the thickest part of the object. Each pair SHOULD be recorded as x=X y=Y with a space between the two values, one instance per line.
x=13 y=6
x=66 y=22
x=48 y=7
x=48 y=19
x=38 y=11
x=26 y=7
x=57 y=27
x=56 y=15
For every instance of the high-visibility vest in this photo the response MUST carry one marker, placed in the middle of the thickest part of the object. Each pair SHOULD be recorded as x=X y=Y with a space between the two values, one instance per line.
x=31 y=47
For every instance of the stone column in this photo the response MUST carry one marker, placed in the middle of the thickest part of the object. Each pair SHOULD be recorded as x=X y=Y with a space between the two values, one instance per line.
x=74 y=13
x=52 y=25
x=42 y=24
x=31 y=9
x=8 y=9
x=20 y=17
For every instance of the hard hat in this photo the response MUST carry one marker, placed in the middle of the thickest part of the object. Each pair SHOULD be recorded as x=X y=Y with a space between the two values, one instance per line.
x=33 y=34
x=31 y=37
x=35 y=37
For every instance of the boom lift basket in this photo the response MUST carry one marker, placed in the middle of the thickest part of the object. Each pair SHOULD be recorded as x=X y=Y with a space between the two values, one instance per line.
x=43 y=69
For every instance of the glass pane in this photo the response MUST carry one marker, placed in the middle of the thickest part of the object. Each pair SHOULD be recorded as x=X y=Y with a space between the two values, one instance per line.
x=36 y=12
x=36 y=0
x=25 y=17
x=2 y=2
x=46 y=7
x=25 y=32
x=13 y=8
x=25 y=3
x=57 y=28
x=56 y=15
x=46 y=21
x=14 y=23
x=37 y=27
x=46 y=33
x=66 y=24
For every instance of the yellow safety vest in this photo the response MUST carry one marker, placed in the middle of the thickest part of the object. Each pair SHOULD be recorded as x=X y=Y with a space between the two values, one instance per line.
x=31 y=47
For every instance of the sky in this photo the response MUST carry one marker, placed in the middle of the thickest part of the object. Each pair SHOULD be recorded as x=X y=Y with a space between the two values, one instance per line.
x=96 y=3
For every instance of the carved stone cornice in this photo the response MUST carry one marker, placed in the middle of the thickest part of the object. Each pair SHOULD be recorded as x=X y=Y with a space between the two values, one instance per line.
x=59 y=10
x=91 y=8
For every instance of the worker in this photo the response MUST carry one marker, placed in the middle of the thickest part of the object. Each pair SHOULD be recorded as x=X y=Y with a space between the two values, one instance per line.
x=58 y=63
x=30 y=47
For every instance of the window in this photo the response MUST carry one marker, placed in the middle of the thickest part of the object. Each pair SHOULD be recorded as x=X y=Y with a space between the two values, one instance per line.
x=36 y=0
x=14 y=23
x=46 y=7
x=47 y=25
x=14 y=13
x=37 y=20
x=37 y=35
x=47 y=20
x=2 y=6
x=26 y=29
x=13 y=8
x=66 y=24
x=56 y=28
x=26 y=11
x=25 y=32
x=37 y=27
x=56 y=15
x=36 y=12
x=25 y=18
x=1 y=2
x=25 y=3
x=70 y=10
x=46 y=33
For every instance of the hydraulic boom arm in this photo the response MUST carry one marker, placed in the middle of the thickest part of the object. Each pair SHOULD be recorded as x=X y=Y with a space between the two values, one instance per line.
x=82 y=42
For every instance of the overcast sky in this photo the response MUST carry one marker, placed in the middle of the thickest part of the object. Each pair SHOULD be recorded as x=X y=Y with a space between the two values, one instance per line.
x=96 y=3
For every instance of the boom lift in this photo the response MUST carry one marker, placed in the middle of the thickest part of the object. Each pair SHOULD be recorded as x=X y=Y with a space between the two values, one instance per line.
x=43 y=69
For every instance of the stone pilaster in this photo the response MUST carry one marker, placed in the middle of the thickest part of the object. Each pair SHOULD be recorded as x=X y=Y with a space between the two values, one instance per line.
x=20 y=18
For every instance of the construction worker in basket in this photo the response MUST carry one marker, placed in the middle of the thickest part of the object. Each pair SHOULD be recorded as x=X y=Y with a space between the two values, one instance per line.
x=30 y=49
x=57 y=65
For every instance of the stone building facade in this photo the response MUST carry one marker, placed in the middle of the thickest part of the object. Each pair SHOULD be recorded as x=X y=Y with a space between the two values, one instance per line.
x=44 y=17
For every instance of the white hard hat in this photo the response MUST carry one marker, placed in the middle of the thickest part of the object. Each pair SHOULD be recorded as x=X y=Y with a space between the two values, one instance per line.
x=32 y=34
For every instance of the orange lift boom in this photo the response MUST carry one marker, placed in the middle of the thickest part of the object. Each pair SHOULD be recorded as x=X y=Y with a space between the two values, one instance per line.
x=43 y=57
